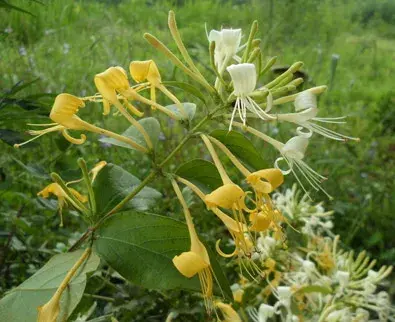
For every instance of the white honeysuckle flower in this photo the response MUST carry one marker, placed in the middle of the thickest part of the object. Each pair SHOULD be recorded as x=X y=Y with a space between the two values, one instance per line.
x=293 y=153
x=227 y=44
x=264 y=313
x=339 y=316
x=306 y=107
x=343 y=278
x=244 y=83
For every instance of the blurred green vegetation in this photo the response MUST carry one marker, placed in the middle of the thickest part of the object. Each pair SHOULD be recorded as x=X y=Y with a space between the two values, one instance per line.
x=349 y=45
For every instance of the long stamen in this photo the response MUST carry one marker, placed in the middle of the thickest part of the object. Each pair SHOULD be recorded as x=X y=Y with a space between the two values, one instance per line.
x=40 y=133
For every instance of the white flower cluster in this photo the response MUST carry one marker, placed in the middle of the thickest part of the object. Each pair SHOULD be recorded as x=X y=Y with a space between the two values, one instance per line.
x=253 y=101
x=318 y=280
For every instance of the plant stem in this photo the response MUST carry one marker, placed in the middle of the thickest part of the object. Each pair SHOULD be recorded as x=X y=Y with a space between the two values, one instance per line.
x=100 y=297
x=150 y=177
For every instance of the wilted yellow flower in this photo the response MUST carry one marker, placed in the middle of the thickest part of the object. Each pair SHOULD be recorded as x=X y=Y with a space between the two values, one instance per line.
x=229 y=314
x=56 y=190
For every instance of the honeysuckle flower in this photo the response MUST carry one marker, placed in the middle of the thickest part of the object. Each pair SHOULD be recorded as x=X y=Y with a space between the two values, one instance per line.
x=148 y=71
x=227 y=44
x=244 y=83
x=114 y=81
x=306 y=108
x=197 y=260
x=263 y=313
x=292 y=153
x=228 y=313
x=111 y=82
x=56 y=190
x=64 y=114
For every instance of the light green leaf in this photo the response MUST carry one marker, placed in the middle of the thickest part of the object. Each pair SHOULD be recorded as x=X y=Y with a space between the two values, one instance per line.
x=186 y=87
x=242 y=148
x=141 y=246
x=113 y=183
x=202 y=173
x=20 y=304
x=190 y=109
x=150 y=124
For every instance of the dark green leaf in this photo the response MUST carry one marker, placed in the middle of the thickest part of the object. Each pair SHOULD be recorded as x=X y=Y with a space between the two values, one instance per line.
x=6 y=5
x=12 y=137
x=202 y=173
x=113 y=183
x=242 y=148
x=20 y=304
x=186 y=87
x=150 y=124
x=190 y=110
x=35 y=170
x=141 y=246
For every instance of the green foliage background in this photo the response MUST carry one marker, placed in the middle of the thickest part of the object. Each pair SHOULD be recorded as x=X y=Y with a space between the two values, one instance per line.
x=349 y=45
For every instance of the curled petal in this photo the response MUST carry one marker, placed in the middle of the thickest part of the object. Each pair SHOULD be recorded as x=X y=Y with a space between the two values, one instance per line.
x=64 y=111
x=306 y=134
x=266 y=180
x=69 y=138
x=219 y=251
x=284 y=172
x=189 y=263
x=305 y=100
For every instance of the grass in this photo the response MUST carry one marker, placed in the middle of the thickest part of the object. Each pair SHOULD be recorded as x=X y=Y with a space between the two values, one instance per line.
x=348 y=45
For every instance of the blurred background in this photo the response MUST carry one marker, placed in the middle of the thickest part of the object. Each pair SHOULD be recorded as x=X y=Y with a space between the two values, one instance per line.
x=49 y=47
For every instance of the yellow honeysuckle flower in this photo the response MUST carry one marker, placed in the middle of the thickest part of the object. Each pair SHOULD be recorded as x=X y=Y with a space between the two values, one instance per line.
x=148 y=70
x=49 y=312
x=110 y=82
x=197 y=260
x=64 y=112
x=114 y=81
x=56 y=190
x=229 y=314
x=228 y=196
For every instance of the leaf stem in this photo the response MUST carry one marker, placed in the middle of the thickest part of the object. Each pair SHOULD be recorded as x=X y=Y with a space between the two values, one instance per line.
x=150 y=177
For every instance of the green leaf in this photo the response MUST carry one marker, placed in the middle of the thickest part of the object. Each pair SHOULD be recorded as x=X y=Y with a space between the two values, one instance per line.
x=202 y=173
x=186 y=87
x=12 y=137
x=150 y=124
x=35 y=170
x=190 y=109
x=141 y=246
x=242 y=148
x=113 y=183
x=20 y=304
x=315 y=289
